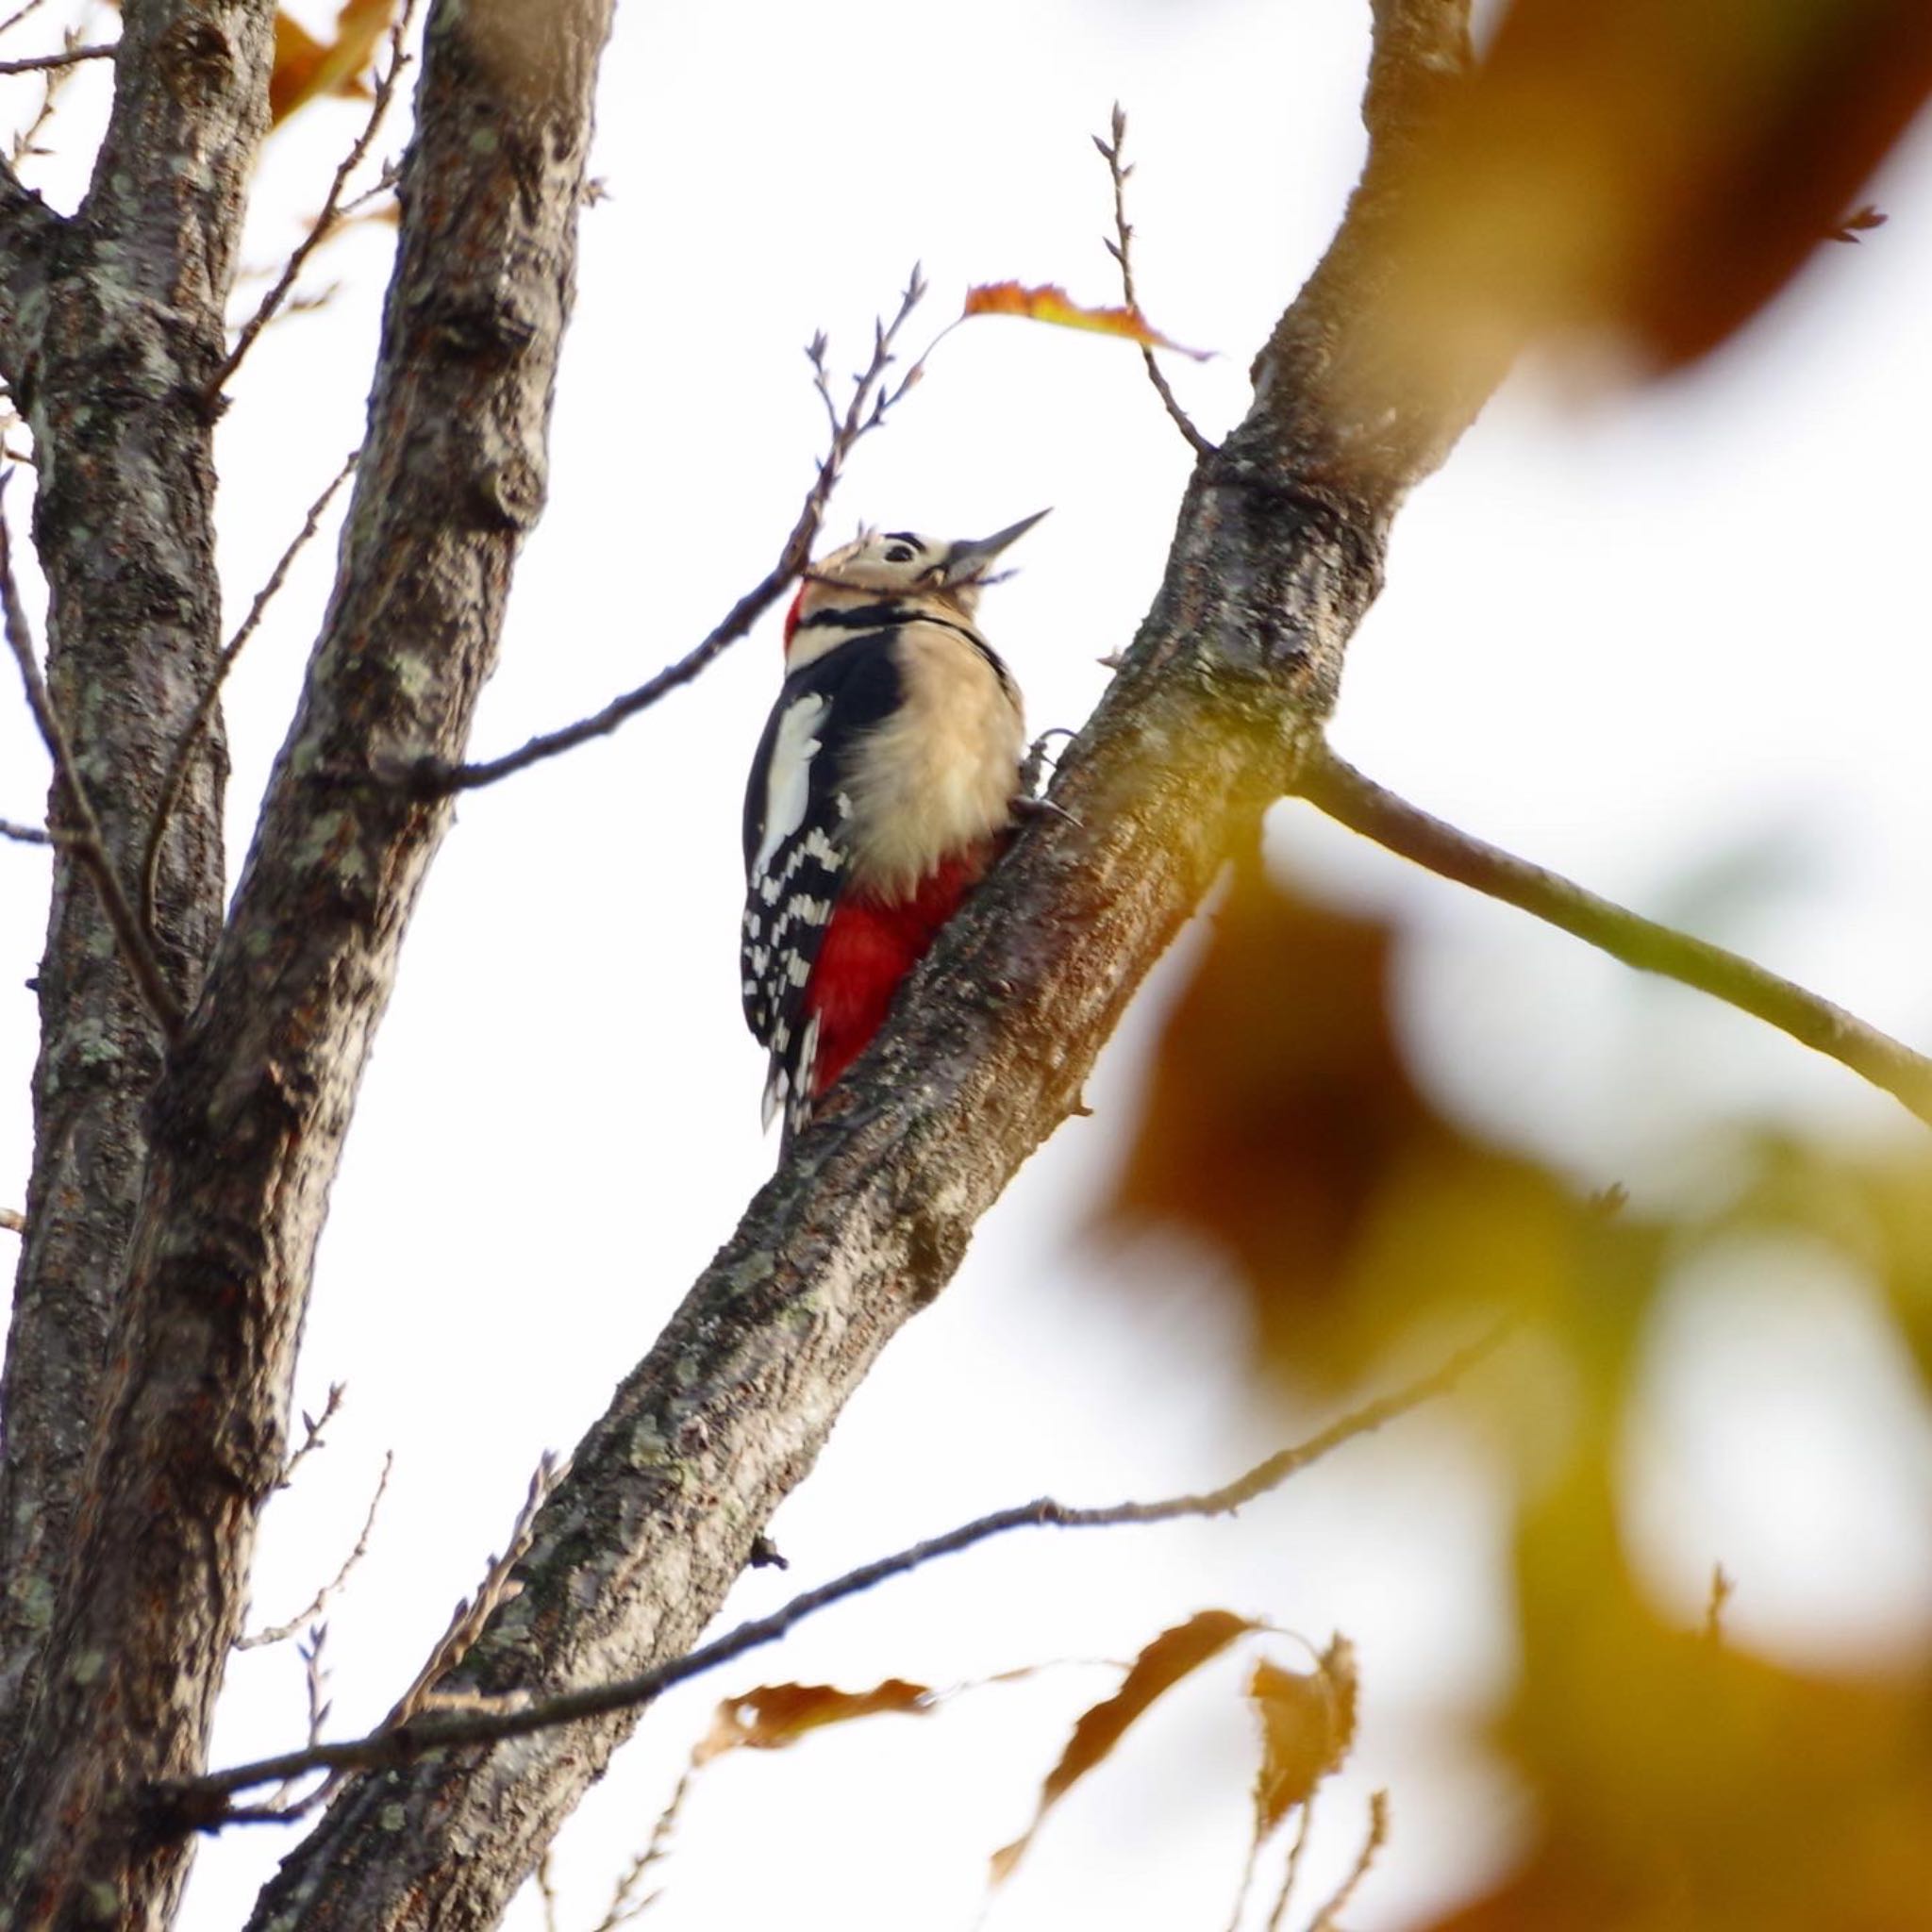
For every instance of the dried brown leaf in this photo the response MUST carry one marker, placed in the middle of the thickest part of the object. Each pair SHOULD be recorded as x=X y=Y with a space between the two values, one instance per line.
x=1161 y=1665
x=1307 y=1725
x=776 y=1715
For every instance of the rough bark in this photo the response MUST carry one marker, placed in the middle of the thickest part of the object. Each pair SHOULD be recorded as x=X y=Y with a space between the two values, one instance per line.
x=255 y=1095
x=1278 y=555
x=111 y=326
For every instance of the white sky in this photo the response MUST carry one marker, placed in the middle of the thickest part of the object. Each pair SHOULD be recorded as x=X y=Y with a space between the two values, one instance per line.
x=1673 y=644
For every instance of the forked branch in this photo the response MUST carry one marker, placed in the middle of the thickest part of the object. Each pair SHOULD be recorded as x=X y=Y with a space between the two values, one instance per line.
x=872 y=397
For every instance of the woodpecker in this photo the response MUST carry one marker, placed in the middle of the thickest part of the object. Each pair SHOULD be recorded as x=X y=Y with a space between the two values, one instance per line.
x=882 y=787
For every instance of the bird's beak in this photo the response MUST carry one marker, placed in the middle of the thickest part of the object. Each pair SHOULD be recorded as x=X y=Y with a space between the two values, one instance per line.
x=967 y=561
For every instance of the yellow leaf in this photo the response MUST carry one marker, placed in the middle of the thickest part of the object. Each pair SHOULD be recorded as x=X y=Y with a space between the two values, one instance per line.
x=1050 y=303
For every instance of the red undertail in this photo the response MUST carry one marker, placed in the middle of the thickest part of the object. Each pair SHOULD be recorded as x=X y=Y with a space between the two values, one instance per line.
x=869 y=947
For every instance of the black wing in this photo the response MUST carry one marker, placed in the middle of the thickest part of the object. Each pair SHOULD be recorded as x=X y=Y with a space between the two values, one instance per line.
x=796 y=851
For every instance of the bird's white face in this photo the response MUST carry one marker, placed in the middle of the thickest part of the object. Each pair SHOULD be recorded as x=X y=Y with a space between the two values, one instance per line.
x=897 y=564
x=900 y=566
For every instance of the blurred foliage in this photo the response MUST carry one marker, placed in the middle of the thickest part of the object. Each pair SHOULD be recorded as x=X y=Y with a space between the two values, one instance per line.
x=1646 y=175
x=307 y=69
x=1676 y=1783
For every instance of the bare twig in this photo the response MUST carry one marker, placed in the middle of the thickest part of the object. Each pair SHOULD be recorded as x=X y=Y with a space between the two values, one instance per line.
x=467 y=1620
x=872 y=397
x=19 y=14
x=312 y=1426
x=324 y=222
x=1278 y=1916
x=1328 y=1918
x=68 y=57
x=191 y=732
x=547 y=1891
x=59 y=70
x=12 y=1220
x=89 y=845
x=281 y=1633
x=26 y=835
x=625 y=1908
x=1338 y=789
x=203 y=1802
x=1122 y=249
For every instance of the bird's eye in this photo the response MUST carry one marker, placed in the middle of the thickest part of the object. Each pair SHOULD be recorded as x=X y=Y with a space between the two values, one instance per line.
x=899 y=553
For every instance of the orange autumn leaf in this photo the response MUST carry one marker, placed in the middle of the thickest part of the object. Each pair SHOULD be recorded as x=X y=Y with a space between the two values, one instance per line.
x=307 y=67
x=1161 y=1665
x=776 y=1715
x=1308 y=1724
x=1050 y=303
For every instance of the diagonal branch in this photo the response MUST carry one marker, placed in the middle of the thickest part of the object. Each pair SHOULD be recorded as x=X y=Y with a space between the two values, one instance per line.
x=1338 y=789
x=90 y=844
x=1277 y=554
x=872 y=397
x=200 y=1803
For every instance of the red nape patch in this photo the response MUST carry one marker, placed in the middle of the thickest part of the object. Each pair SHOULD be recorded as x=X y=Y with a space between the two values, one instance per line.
x=791 y=616
x=868 y=949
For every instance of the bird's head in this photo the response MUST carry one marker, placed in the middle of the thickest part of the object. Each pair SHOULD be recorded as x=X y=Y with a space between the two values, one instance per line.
x=898 y=569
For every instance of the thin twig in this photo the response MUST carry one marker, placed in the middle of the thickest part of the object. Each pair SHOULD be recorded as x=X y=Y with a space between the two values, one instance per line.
x=191 y=732
x=26 y=141
x=203 y=1802
x=871 y=399
x=312 y=1426
x=1328 y=1919
x=12 y=1220
x=90 y=846
x=1122 y=249
x=546 y=1891
x=19 y=14
x=281 y=1633
x=1278 y=1916
x=68 y=57
x=331 y=207
x=624 y=1910
x=1338 y=789
x=26 y=835
x=498 y=1587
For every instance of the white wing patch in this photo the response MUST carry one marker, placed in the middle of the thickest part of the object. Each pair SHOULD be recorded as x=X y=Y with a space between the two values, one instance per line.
x=788 y=780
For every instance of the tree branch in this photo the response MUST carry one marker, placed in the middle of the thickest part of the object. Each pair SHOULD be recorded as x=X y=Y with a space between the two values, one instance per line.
x=249 y=1117
x=1335 y=787
x=109 y=326
x=211 y=692
x=26 y=835
x=871 y=400
x=90 y=845
x=199 y=1803
x=1277 y=554
x=69 y=57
